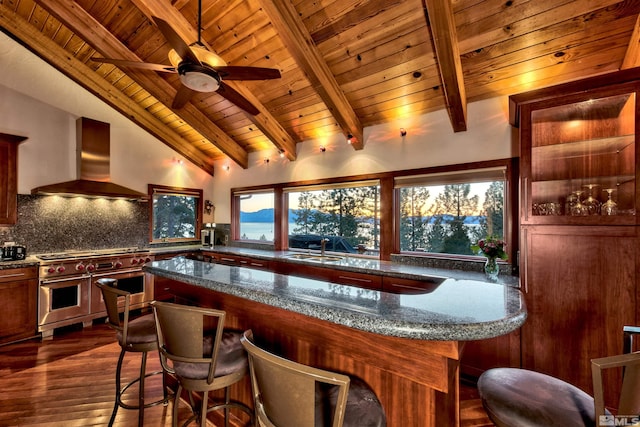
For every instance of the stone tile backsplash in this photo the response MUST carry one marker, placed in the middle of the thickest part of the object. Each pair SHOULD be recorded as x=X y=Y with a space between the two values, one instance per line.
x=56 y=224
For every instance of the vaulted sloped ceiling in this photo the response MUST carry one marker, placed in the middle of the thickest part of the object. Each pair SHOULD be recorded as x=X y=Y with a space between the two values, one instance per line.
x=344 y=64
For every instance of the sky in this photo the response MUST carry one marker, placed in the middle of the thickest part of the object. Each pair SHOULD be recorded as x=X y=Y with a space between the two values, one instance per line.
x=264 y=201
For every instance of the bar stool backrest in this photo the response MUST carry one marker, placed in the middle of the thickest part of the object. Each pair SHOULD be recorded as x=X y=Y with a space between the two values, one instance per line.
x=180 y=334
x=285 y=391
x=629 y=402
x=111 y=295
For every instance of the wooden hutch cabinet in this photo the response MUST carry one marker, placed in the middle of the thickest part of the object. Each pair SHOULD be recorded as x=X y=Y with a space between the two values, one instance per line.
x=579 y=228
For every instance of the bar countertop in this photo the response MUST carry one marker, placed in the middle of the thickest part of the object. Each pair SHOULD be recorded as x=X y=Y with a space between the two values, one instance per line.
x=452 y=310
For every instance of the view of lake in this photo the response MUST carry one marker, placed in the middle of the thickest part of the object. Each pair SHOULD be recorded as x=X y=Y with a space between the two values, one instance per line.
x=254 y=230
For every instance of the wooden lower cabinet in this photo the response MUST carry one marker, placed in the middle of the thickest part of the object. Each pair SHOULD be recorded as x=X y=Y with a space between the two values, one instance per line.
x=580 y=289
x=19 y=288
x=236 y=260
x=361 y=280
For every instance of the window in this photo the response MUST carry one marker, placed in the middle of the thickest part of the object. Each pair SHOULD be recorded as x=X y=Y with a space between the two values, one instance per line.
x=345 y=215
x=256 y=220
x=175 y=213
x=426 y=211
x=446 y=213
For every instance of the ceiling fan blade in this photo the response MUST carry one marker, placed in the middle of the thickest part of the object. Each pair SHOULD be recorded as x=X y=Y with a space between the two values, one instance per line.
x=175 y=41
x=136 y=64
x=235 y=97
x=183 y=95
x=231 y=72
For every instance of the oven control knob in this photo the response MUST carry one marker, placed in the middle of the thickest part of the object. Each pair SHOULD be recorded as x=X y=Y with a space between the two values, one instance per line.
x=134 y=261
x=91 y=267
x=141 y=261
x=80 y=267
x=51 y=269
x=147 y=259
x=61 y=269
x=118 y=264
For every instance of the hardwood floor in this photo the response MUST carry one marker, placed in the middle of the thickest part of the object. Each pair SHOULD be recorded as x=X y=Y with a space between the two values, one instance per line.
x=69 y=381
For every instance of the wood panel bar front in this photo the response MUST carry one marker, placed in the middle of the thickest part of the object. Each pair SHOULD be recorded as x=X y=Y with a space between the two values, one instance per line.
x=406 y=345
x=415 y=380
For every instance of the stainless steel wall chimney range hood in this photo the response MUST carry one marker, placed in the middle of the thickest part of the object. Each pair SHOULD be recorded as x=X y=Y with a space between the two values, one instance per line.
x=93 y=164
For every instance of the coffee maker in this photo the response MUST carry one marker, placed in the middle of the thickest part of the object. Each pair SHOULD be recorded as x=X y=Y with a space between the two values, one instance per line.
x=208 y=235
x=13 y=252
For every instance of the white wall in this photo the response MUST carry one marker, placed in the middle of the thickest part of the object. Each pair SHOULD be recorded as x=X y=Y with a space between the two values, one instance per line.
x=43 y=105
x=40 y=103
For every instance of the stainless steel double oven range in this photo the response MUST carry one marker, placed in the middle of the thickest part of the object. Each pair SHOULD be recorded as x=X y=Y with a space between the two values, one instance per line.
x=67 y=291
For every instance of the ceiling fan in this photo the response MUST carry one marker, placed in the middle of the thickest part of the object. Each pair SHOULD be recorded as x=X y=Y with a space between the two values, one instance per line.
x=199 y=69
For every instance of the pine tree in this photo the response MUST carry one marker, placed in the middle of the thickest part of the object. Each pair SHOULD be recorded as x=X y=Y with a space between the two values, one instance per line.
x=452 y=207
x=413 y=223
x=174 y=216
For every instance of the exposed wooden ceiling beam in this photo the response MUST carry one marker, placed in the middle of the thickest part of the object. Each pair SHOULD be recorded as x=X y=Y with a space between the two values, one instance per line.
x=296 y=37
x=76 y=70
x=264 y=121
x=443 y=30
x=632 y=56
x=86 y=27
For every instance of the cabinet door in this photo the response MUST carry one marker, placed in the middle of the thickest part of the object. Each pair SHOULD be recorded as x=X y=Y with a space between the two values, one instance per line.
x=579 y=159
x=8 y=179
x=227 y=259
x=360 y=280
x=580 y=290
x=18 y=287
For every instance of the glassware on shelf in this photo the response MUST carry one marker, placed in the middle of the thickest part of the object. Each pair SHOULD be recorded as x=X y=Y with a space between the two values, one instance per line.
x=591 y=203
x=548 y=208
x=609 y=207
x=569 y=202
x=577 y=208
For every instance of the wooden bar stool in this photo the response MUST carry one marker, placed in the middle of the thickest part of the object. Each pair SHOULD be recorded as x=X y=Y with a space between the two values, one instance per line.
x=204 y=357
x=136 y=336
x=289 y=394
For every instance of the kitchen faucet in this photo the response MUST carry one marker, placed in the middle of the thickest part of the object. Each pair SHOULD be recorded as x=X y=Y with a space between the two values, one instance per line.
x=323 y=245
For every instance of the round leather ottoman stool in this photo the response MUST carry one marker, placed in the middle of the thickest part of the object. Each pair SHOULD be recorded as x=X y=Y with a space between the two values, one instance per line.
x=517 y=398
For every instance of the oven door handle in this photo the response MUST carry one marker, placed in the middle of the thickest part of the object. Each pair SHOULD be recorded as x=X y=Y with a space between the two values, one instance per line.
x=65 y=279
x=117 y=272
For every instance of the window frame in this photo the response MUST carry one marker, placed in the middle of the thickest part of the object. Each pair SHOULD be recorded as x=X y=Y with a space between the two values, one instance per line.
x=389 y=205
x=287 y=190
x=236 y=197
x=480 y=175
x=153 y=189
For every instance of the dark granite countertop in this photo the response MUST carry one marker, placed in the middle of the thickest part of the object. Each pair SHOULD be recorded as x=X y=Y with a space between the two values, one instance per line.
x=29 y=261
x=349 y=262
x=457 y=309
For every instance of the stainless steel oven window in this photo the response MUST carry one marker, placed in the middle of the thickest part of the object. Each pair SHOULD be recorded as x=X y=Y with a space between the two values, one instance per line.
x=65 y=297
x=132 y=284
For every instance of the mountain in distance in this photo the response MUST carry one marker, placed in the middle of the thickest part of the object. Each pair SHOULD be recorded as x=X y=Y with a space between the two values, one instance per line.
x=267 y=215
x=264 y=215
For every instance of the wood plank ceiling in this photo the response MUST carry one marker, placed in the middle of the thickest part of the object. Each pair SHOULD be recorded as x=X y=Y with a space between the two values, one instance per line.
x=345 y=64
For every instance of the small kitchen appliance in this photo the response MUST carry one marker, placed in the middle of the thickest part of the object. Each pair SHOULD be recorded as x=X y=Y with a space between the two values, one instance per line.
x=208 y=235
x=14 y=252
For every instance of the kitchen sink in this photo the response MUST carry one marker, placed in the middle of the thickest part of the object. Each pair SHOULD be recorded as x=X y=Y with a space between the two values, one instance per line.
x=312 y=257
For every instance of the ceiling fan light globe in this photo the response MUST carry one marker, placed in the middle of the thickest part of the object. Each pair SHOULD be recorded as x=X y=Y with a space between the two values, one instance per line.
x=199 y=82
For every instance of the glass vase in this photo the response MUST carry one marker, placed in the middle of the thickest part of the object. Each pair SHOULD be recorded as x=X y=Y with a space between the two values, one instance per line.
x=491 y=268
